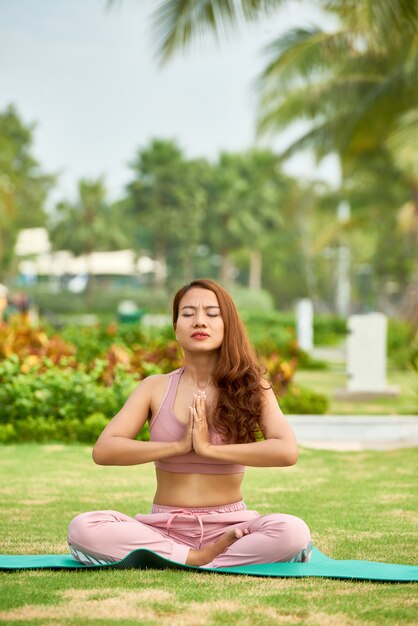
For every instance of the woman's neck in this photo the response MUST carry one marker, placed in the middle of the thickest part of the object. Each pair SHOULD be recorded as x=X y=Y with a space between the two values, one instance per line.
x=199 y=369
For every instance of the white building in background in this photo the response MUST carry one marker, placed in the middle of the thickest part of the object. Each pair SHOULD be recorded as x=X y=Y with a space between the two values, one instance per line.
x=34 y=243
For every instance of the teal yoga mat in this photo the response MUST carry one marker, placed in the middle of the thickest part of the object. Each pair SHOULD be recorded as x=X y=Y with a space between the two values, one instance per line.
x=320 y=565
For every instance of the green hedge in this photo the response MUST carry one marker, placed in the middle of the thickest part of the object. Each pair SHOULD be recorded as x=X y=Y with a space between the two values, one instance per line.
x=58 y=403
x=302 y=401
x=103 y=299
x=402 y=345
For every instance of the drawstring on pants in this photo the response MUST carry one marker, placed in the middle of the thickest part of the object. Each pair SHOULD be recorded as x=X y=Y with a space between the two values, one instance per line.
x=187 y=513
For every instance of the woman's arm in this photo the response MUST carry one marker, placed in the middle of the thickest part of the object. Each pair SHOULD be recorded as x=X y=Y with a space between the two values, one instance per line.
x=117 y=445
x=278 y=449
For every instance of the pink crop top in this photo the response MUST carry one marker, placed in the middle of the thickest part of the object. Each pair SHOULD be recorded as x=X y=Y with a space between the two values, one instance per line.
x=165 y=426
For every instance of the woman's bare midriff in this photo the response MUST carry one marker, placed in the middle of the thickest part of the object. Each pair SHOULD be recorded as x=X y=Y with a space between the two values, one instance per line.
x=197 y=490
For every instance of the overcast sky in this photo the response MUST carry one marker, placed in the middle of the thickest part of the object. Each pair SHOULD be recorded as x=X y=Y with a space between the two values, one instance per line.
x=87 y=77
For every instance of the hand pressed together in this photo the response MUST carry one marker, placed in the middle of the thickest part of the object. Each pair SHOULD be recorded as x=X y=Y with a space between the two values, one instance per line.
x=200 y=434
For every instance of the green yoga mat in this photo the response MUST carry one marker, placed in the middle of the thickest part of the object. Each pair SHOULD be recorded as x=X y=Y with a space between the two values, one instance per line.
x=320 y=565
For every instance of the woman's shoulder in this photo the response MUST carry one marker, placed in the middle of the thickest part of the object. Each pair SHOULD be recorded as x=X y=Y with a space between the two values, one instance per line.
x=154 y=381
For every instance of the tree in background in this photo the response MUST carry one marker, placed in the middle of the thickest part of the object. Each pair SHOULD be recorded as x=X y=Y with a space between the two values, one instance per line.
x=23 y=186
x=355 y=86
x=87 y=224
x=166 y=200
x=246 y=193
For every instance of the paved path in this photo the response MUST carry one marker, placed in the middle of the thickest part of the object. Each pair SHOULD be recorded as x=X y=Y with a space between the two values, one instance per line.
x=355 y=432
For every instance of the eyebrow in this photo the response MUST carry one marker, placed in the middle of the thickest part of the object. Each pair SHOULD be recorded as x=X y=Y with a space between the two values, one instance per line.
x=190 y=306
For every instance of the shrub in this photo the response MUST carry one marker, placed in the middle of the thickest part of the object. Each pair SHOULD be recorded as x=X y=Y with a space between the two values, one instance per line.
x=279 y=372
x=22 y=339
x=402 y=344
x=105 y=299
x=54 y=402
x=251 y=300
x=269 y=333
x=299 y=400
x=67 y=387
x=273 y=330
x=329 y=329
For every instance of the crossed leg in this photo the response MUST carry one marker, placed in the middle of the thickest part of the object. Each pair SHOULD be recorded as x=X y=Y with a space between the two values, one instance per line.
x=108 y=536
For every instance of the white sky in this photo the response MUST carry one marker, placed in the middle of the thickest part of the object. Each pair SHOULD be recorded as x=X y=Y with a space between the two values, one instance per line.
x=87 y=77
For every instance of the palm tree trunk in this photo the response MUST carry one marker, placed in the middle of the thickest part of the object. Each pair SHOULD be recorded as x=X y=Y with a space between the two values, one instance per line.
x=187 y=269
x=307 y=259
x=256 y=262
x=225 y=269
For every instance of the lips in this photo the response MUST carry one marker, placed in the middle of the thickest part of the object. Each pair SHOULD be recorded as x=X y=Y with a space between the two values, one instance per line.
x=200 y=335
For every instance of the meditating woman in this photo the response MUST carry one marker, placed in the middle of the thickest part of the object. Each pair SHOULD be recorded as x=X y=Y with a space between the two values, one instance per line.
x=203 y=421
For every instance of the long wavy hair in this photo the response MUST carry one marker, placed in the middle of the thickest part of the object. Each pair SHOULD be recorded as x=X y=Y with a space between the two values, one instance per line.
x=237 y=375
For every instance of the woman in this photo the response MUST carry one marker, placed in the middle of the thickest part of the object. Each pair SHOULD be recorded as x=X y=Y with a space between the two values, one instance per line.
x=203 y=419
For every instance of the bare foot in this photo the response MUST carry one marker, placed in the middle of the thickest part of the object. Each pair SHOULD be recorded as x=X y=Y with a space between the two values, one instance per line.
x=209 y=552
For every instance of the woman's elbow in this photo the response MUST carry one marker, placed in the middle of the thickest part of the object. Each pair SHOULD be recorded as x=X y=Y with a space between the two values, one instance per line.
x=99 y=455
x=291 y=455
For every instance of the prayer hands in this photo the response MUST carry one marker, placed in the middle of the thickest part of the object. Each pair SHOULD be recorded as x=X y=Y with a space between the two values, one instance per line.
x=186 y=444
x=201 y=442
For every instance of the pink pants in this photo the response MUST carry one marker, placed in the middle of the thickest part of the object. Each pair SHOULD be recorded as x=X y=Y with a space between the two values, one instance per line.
x=101 y=537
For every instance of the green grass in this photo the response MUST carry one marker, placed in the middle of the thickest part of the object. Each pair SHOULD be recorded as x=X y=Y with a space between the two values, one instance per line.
x=358 y=506
x=327 y=381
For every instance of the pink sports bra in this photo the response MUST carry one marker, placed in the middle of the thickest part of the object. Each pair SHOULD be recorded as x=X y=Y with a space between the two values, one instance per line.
x=165 y=426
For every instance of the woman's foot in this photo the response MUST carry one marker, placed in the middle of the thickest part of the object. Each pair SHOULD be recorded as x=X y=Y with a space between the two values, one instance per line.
x=209 y=552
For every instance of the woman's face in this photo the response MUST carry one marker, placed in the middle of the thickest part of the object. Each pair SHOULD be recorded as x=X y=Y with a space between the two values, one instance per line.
x=199 y=326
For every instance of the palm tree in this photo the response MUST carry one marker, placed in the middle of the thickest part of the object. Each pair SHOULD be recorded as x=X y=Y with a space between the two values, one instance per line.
x=87 y=224
x=245 y=197
x=166 y=201
x=358 y=92
x=178 y=22
x=355 y=86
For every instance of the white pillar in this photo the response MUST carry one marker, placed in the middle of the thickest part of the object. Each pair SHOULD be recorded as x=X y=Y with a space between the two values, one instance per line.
x=304 y=324
x=366 y=352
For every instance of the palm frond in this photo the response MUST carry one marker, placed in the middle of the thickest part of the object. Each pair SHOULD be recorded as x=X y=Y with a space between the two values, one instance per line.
x=324 y=97
x=301 y=52
x=177 y=22
x=394 y=93
x=403 y=143
x=386 y=22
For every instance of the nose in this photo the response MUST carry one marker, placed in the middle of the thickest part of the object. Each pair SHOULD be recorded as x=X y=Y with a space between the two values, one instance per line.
x=199 y=319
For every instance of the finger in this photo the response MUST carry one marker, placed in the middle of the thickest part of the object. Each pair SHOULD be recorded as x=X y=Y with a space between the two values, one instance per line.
x=197 y=404
x=203 y=405
x=200 y=400
x=195 y=416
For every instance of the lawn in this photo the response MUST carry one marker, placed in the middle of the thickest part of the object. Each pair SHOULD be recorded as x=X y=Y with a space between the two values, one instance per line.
x=327 y=381
x=358 y=505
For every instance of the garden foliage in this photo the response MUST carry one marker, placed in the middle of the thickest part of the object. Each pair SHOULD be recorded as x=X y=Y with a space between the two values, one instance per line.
x=66 y=387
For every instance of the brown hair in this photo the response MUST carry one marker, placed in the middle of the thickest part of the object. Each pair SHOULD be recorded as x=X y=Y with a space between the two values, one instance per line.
x=237 y=376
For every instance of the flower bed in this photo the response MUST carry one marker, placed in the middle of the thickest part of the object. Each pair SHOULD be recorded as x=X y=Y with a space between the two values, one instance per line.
x=66 y=387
